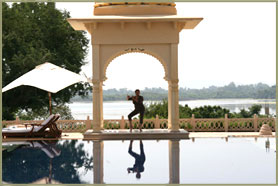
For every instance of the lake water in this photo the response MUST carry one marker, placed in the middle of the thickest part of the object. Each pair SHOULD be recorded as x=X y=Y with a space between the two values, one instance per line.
x=199 y=161
x=117 y=109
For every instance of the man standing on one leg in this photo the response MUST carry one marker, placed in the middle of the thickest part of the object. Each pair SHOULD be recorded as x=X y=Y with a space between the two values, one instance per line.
x=139 y=108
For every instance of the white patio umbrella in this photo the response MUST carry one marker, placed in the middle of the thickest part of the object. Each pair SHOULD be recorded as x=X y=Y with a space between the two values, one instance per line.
x=48 y=77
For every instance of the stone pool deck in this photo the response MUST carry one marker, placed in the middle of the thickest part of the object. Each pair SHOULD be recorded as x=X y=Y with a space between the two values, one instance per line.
x=148 y=135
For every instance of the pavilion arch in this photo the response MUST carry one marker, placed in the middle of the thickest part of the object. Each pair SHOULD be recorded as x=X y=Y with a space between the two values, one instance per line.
x=123 y=52
x=167 y=55
x=150 y=28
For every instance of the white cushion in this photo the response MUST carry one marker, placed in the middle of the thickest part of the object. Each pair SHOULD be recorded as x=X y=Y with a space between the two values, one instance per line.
x=15 y=130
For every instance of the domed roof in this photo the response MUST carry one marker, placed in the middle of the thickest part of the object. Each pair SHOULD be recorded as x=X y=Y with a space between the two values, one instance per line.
x=135 y=8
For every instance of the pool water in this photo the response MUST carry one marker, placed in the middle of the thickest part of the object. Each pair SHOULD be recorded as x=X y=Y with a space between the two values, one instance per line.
x=200 y=160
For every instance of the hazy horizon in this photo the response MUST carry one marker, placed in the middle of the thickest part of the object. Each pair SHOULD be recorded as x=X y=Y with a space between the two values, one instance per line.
x=196 y=88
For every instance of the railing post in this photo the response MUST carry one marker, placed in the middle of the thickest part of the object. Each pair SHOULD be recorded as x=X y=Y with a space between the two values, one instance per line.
x=255 y=123
x=88 y=123
x=192 y=122
x=122 y=123
x=157 y=124
x=226 y=123
x=17 y=120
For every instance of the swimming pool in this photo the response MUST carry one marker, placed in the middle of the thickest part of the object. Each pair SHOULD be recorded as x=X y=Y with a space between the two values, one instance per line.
x=200 y=160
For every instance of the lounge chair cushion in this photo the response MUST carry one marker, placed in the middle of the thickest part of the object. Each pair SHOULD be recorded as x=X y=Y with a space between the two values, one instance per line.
x=46 y=129
x=14 y=129
x=37 y=128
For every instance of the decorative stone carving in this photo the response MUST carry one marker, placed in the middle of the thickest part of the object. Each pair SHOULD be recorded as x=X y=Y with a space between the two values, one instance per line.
x=265 y=130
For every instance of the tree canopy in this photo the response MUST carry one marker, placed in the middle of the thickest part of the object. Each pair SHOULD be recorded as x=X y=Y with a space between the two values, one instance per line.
x=34 y=33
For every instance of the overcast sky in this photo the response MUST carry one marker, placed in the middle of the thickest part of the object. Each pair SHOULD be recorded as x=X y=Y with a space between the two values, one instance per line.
x=236 y=42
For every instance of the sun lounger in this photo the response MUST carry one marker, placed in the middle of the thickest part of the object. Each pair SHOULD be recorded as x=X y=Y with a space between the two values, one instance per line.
x=47 y=129
x=48 y=148
x=54 y=129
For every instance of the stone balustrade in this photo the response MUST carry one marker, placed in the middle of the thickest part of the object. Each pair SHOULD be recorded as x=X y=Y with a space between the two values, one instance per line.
x=190 y=124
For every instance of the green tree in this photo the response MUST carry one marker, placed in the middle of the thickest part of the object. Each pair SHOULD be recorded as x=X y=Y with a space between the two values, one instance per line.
x=255 y=109
x=210 y=112
x=157 y=108
x=244 y=114
x=34 y=33
x=161 y=109
x=185 y=111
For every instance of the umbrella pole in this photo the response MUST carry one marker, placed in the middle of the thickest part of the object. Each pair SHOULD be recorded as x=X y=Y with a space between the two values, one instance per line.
x=50 y=171
x=50 y=104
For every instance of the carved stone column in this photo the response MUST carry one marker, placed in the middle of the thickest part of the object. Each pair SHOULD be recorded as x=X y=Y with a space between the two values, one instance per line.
x=173 y=91
x=174 y=161
x=97 y=106
x=98 y=161
x=97 y=91
x=173 y=105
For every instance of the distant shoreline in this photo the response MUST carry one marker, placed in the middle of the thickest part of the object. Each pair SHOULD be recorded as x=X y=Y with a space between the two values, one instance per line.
x=117 y=109
x=274 y=100
x=231 y=91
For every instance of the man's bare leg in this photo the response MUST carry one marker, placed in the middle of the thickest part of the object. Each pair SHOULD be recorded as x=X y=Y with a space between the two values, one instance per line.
x=129 y=148
x=130 y=144
x=140 y=127
x=130 y=125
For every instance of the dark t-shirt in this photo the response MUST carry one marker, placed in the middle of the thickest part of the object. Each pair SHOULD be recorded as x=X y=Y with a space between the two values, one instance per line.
x=139 y=163
x=138 y=105
x=139 y=159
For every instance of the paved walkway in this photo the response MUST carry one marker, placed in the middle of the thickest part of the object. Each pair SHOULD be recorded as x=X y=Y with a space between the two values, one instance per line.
x=79 y=136
x=226 y=134
x=150 y=134
x=192 y=135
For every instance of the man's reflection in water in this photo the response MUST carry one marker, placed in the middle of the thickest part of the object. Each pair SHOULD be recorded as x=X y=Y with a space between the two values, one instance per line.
x=138 y=167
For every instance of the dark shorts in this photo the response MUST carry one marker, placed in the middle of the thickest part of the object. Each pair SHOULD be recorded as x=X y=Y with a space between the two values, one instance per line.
x=133 y=113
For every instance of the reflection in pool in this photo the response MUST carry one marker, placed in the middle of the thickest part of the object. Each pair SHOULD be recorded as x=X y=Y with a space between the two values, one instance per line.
x=138 y=166
x=44 y=161
x=199 y=160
